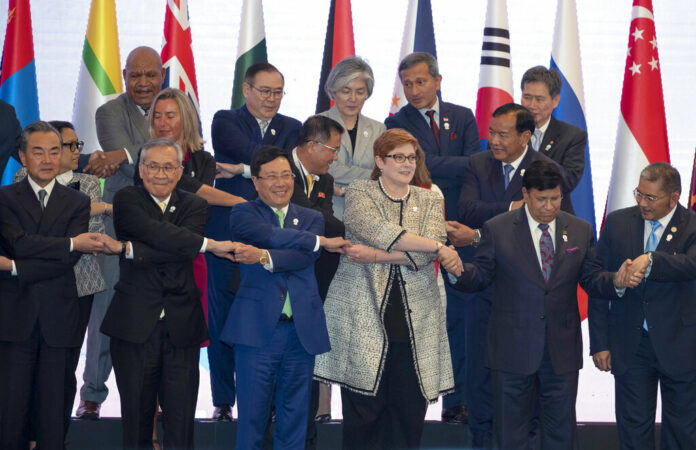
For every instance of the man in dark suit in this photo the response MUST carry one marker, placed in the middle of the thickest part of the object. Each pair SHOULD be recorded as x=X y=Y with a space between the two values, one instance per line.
x=648 y=336
x=534 y=257
x=276 y=322
x=560 y=141
x=155 y=319
x=236 y=135
x=43 y=232
x=449 y=136
x=492 y=186
x=10 y=132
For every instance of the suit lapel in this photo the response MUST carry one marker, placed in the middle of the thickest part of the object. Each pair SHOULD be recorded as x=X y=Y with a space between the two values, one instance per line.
x=561 y=244
x=419 y=124
x=516 y=182
x=444 y=125
x=637 y=231
x=668 y=243
x=54 y=207
x=137 y=119
x=254 y=126
x=495 y=181
x=363 y=135
x=549 y=137
x=28 y=200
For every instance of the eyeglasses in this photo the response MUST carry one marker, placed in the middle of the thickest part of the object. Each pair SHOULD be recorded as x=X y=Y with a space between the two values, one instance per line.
x=274 y=178
x=647 y=197
x=401 y=158
x=333 y=149
x=266 y=93
x=74 y=146
x=167 y=168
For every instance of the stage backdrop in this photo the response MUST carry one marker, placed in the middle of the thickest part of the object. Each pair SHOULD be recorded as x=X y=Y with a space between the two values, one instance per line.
x=295 y=32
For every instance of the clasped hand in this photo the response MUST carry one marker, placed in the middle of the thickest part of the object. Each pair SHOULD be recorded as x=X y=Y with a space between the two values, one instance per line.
x=631 y=272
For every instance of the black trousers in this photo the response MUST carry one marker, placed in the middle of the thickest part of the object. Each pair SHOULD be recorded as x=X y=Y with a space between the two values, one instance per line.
x=151 y=369
x=393 y=419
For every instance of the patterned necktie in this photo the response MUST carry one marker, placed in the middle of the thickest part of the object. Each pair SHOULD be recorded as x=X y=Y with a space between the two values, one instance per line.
x=546 y=250
x=264 y=126
x=162 y=205
x=433 y=125
x=310 y=183
x=287 y=310
x=536 y=140
x=42 y=198
x=651 y=246
x=507 y=169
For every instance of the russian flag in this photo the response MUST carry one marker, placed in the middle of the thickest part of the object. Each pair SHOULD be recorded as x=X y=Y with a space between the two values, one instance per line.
x=18 y=72
x=419 y=36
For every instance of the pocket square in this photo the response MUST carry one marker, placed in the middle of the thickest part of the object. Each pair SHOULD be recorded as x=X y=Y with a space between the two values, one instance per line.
x=453 y=136
x=572 y=250
x=321 y=195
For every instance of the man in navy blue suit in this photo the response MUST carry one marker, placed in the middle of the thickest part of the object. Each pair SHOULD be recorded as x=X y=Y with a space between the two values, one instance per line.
x=277 y=321
x=648 y=337
x=236 y=135
x=448 y=135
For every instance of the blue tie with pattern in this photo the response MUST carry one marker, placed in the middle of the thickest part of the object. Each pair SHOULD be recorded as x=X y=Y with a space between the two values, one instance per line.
x=507 y=169
x=651 y=246
x=546 y=250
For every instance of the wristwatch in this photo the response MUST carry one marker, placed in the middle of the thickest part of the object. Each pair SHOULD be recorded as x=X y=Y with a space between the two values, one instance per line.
x=477 y=238
x=263 y=260
x=123 y=248
x=439 y=246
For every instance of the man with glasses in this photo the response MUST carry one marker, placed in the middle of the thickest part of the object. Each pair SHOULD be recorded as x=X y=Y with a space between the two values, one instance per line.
x=648 y=337
x=155 y=319
x=448 y=135
x=236 y=135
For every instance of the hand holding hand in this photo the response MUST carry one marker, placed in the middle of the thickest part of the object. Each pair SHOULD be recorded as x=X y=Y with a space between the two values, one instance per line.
x=450 y=260
x=361 y=254
x=227 y=170
x=334 y=244
x=111 y=245
x=88 y=243
x=246 y=254
x=104 y=164
x=222 y=249
x=602 y=360
x=459 y=234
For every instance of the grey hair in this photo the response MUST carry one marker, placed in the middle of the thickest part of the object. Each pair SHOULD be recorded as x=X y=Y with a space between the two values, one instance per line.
x=37 y=127
x=347 y=70
x=417 y=58
x=540 y=74
x=667 y=175
x=160 y=142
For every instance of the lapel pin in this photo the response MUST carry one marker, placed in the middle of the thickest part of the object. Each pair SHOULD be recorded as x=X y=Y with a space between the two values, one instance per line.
x=565 y=238
x=172 y=209
x=365 y=133
x=446 y=125
x=522 y=172
x=669 y=237
x=273 y=131
x=415 y=209
x=673 y=229
x=193 y=174
x=295 y=221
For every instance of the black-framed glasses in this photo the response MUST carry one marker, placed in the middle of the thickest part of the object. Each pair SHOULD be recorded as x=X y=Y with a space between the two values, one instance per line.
x=267 y=93
x=647 y=197
x=333 y=149
x=168 y=169
x=75 y=146
x=400 y=158
x=273 y=178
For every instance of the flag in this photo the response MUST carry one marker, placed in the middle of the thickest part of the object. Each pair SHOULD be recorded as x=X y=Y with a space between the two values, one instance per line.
x=99 y=79
x=692 y=189
x=419 y=36
x=18 y=72
x=495 y=76
x=252 y=46
x=565 y=58
x=339 y=44
x=641 y=138
x=177 y=54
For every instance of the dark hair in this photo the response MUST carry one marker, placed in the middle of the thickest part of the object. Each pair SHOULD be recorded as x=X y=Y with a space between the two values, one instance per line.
x=540 y=74
x=525 y=119
x=416 y=58
x=542 y=175
x=265 y=155
x=667 y=175
x=260 y=67
x=37 y=127
x=60 y=125
x=319 y=128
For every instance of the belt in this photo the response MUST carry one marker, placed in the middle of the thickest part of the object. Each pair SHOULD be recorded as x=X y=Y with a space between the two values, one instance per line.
x=284 y=318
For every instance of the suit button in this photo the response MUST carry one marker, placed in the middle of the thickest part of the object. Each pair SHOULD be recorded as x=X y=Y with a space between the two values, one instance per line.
x=542 y=317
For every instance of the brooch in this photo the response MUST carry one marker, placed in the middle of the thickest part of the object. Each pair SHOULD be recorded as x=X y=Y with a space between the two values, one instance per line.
x=172 y=209
x=272 y=131
x=446 y=123
x=565 y=236
x=321 y=195
x=295 y=221
x=669 y=237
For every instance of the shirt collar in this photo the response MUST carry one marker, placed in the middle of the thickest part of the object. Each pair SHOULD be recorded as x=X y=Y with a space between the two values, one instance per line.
x=36 y=188
x=516 y=163
x=664 y=221
x=284 y=209
x=301 y=166
x=165 y=201
x=534 y=225
x=65 y=177
x=545 y=126
x=435 y=107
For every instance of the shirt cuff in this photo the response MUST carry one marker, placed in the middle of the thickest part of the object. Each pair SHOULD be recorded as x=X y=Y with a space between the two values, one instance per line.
x=247 y=171
x=71 y=245
x=317 y=245
x=204 y=246
x=130 y=254
x=269 y=265
x=620 y=291
x=128 y=155
x=14 y=269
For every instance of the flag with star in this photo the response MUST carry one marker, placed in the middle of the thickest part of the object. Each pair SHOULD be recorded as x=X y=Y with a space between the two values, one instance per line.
x=642 y=133
x=419 y=36
x=177 y=53
x=339 y=44
x=495 y=76
x=251 y=48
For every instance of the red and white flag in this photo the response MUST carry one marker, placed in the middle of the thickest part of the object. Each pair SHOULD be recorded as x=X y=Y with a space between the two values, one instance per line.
x=177 y=54
x=642 y=135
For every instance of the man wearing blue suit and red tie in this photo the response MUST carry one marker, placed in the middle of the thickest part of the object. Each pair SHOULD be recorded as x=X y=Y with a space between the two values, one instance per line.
x=448 y=135
x=534 y=257
x=236 y=135
x=648 y=337
x=276 y=323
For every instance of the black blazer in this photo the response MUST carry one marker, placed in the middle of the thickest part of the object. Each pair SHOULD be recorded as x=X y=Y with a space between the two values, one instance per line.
x=198 y=170
x=667 y=297
x=44 y=288
x=10 y=133
x=320 y=199
x=161 y=273
x=527 y=312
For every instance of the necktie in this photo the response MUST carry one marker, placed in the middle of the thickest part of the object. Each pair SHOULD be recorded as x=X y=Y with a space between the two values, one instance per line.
x=433 y=125
x=263 y=125
x=651 y=246
x=507 y=169
x=42 y=198
x=162 y=205
x=546 y=250
x=536 y=140
x=310 y=183
x=287 y=310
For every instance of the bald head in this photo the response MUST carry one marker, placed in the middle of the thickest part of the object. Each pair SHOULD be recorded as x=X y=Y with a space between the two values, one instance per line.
x=143 y=76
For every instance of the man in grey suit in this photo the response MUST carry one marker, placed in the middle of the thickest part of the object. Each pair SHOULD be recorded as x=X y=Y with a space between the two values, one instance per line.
x=121 y=128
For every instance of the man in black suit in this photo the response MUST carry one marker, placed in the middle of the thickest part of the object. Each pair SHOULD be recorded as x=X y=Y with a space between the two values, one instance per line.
x=492 y=186
x=649 y=335
x=43 y=232
x=560 y=141
x=155 y=319
x=534 y=257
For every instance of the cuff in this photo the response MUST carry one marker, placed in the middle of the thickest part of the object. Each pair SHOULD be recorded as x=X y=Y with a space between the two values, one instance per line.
x=130 y=254
x=620 y=291
x=247 y=171
x=128 y=155
x=269 y=265
x=14 y=269
x=317 y=245
x=71 y=245
x=204 y=246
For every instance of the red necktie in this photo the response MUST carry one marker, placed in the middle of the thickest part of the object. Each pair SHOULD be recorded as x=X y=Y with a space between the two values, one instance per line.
x=433 y=125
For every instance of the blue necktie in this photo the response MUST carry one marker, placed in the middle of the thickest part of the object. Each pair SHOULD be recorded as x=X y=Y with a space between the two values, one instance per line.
x=546 y=250
x=651 y=246
x=507 y=169
x=536 y=140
